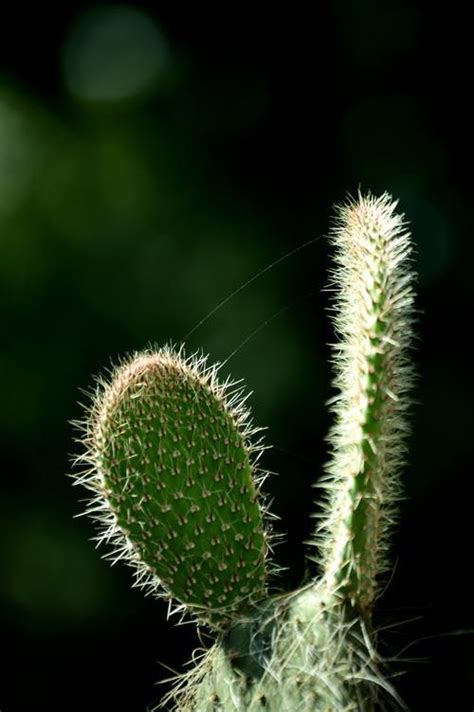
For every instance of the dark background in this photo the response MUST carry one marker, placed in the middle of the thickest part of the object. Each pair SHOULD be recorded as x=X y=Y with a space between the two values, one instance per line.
x=151 y=163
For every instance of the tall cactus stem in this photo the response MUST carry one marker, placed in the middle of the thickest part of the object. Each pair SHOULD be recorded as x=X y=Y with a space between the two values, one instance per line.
x=373 y=283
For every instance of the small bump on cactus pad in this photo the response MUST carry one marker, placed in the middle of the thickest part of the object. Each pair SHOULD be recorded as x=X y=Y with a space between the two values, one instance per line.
x=175 y=483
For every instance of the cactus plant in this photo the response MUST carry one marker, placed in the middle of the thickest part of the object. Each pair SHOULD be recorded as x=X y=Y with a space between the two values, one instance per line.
x=172 y=461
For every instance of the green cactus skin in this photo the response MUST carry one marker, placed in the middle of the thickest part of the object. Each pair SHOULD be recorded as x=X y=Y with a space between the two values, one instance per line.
x=163 y=437
x=177 y=491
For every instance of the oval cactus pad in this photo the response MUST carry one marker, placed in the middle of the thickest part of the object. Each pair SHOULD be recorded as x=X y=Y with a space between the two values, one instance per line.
x=175 y=483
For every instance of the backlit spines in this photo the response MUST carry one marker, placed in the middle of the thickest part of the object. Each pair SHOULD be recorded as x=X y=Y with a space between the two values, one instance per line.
x=172 y=465
x=373 y=281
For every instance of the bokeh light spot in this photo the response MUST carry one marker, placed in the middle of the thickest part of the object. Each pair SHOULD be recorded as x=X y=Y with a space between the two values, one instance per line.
x=112 y=54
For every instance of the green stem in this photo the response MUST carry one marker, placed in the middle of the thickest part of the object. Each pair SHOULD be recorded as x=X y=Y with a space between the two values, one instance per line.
x=374 y=302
